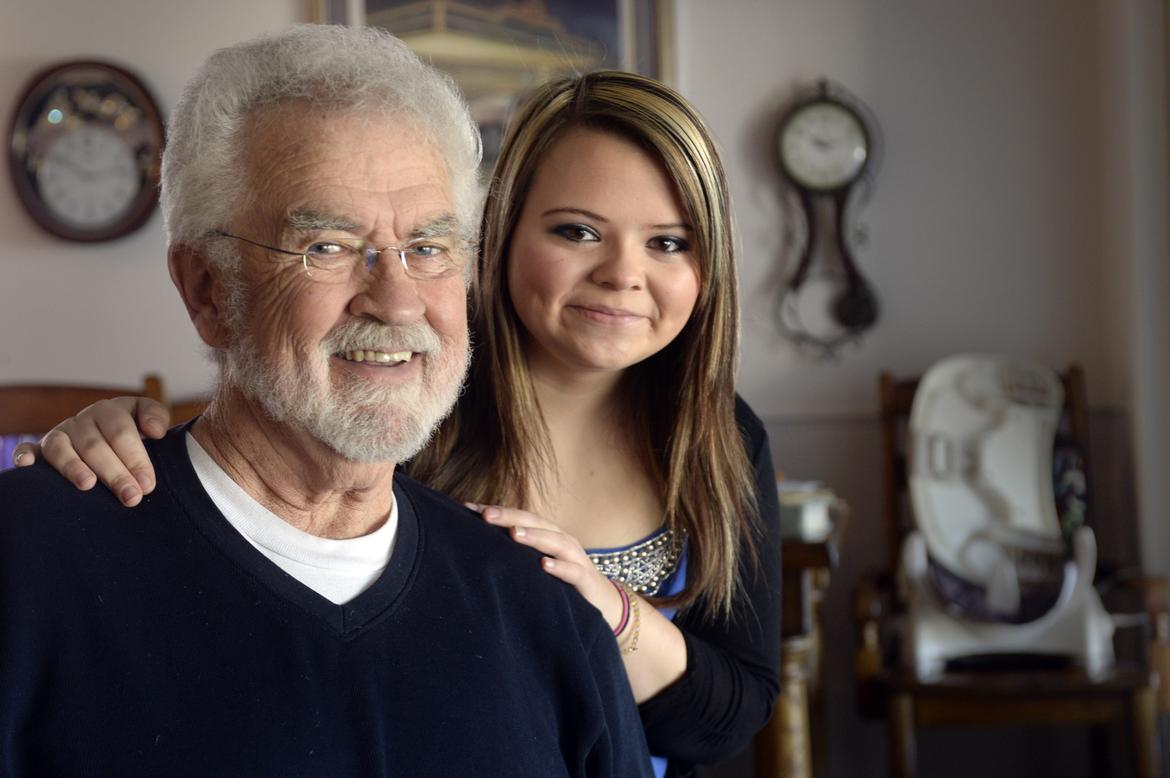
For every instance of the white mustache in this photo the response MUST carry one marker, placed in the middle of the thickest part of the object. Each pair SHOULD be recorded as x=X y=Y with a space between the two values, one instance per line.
x=357 y=334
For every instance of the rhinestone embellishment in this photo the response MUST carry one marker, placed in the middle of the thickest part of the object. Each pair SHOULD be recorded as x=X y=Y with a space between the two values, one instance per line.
x=644 y=566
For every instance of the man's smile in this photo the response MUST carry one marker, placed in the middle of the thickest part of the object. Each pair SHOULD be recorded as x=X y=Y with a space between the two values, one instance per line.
x=379 y=357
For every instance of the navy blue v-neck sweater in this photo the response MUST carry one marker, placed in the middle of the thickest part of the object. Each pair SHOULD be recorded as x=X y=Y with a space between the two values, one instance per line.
x=156 y=640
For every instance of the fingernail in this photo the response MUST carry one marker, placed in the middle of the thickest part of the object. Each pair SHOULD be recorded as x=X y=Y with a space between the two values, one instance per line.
x=473 y=506
x=491 y=513
x=521 y=532
x=20 y=456
x=548 y=563
x=130 y=496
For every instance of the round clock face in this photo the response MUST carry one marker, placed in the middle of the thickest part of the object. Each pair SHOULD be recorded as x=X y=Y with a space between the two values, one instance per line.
x=84 y=151
x=823 y=146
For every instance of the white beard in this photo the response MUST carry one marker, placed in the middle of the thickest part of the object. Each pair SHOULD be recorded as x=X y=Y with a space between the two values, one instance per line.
x=361 y=421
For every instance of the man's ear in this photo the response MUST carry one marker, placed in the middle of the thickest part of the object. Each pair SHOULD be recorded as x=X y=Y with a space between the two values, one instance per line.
x=200 y=284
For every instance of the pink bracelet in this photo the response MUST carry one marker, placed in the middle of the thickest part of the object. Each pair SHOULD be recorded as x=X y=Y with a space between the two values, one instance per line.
x=625 y=619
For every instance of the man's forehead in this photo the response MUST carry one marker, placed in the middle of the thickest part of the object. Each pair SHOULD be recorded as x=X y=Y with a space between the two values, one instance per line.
x=337 y=170
x=302 y=128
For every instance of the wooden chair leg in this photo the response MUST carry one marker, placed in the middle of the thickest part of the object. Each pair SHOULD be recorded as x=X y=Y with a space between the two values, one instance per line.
x=903 y=751
x=782 y=748
x=1143 y=725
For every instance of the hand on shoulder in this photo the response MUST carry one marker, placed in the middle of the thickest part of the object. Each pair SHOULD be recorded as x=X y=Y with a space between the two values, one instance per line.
x=104 y=443
x=564 y=558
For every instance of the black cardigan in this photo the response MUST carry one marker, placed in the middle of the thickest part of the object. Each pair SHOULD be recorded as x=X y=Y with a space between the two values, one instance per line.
x=733 y=666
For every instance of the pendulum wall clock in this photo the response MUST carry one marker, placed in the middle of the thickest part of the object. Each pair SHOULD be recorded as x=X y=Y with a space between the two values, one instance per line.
x=825 y=150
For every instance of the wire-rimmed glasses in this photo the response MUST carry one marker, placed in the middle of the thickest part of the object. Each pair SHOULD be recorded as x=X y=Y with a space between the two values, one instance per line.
x=336 y=259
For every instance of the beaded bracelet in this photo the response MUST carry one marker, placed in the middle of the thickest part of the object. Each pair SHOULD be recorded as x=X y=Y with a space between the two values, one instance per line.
x=621 y=590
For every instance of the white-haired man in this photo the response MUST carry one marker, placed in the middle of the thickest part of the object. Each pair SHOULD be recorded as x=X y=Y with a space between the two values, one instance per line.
x=286 y=606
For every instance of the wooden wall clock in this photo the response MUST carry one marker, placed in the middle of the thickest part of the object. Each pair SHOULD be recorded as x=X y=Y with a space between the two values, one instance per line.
x=84 y=150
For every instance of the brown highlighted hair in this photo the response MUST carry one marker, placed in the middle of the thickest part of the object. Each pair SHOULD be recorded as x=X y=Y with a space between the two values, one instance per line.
x=495 y=446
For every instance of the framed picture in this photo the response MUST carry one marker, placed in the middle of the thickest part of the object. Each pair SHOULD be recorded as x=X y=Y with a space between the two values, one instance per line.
x=496 y=50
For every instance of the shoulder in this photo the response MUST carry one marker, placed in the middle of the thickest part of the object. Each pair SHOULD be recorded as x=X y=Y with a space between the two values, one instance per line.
x=461 y=533
x=37 y=502
x=744 y=413
x=455 y=531
x=451 y=521
x=42 y=489
x=472 y=552
x=759 y=449
x=44 y=519
x=754 y=434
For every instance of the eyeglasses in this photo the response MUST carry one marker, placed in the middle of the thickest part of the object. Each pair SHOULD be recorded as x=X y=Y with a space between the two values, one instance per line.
x=336 y=260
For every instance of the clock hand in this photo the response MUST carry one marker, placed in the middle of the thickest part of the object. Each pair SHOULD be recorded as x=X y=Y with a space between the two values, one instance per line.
x=105 y=171
x=68 y=163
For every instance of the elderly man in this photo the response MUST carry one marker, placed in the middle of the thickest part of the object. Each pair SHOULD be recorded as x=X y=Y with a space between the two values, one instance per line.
x=286 y=605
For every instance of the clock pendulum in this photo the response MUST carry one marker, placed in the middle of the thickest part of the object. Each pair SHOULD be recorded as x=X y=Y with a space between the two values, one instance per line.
x=824 y=146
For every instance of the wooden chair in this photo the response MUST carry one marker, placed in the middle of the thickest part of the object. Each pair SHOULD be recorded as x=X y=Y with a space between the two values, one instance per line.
x=984 y=699
x=27 y=409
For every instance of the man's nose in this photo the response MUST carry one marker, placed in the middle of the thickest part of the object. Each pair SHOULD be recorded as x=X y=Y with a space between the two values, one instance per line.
x=387 y=293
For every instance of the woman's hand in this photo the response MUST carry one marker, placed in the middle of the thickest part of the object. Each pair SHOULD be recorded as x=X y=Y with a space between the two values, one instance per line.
x=102 y=443
x=659 y=657
x=564 y=557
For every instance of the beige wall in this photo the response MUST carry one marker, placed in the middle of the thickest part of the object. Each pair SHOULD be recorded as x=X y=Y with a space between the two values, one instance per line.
x=106 y=312
x=1020 y=206
x=1136 y=50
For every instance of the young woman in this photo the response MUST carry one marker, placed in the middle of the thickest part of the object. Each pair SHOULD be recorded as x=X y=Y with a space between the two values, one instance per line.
x=599 y=422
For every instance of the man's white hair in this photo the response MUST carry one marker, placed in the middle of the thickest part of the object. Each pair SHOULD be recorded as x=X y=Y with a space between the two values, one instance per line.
x=362 y=70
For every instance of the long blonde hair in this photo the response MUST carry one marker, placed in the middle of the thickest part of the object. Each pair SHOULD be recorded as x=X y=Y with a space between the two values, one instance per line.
x=495 y=445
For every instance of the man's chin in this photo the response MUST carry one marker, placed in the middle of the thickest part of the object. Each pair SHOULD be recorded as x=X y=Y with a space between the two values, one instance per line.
x=371 y=437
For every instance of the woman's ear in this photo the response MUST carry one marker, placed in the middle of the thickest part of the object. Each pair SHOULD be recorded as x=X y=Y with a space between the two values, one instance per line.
x=200 y=284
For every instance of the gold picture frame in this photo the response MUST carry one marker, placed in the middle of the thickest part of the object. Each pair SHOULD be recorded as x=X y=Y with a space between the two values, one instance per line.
x=496 y=50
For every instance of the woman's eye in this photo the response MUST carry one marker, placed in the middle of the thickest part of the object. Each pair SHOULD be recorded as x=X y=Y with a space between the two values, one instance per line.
x=578 y=233
x=670 y=244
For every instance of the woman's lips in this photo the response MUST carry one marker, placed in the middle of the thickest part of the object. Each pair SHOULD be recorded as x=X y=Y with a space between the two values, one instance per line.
x=603 y=314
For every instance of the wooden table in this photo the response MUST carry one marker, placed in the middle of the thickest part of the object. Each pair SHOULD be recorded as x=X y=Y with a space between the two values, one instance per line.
x=786 y=746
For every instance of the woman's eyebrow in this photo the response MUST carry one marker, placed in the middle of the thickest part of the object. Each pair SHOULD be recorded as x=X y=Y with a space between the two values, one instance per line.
x=580 y=211
x=600 y=218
